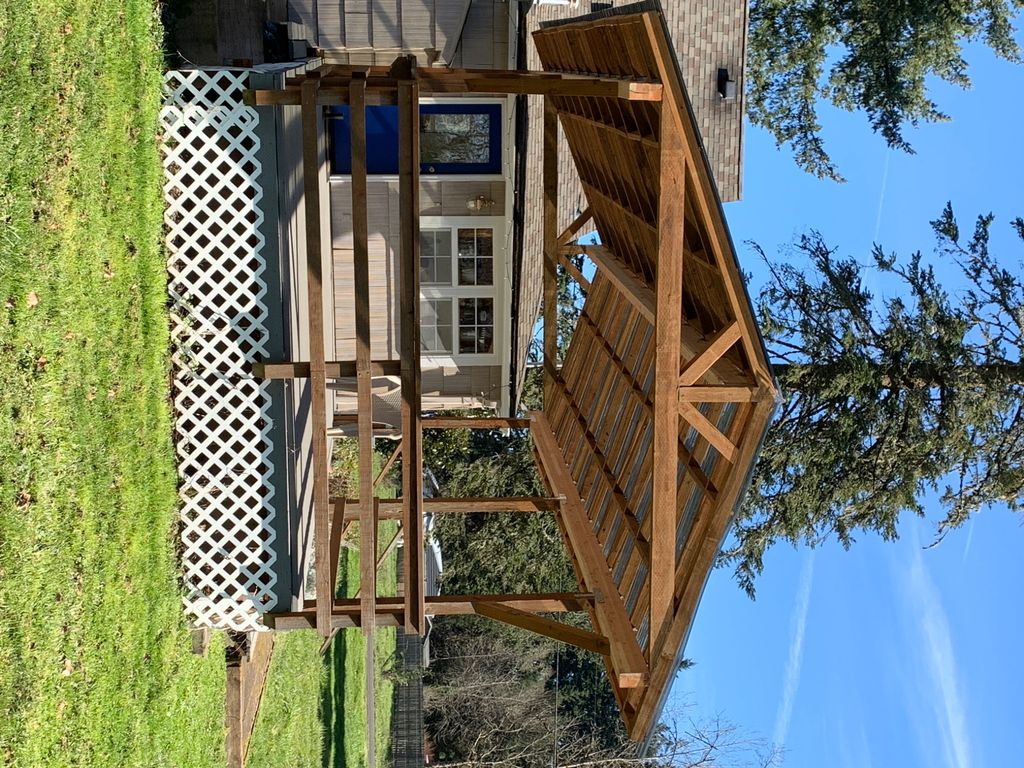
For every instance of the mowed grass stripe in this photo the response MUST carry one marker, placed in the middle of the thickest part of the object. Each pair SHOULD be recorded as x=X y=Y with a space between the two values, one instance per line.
x=94 y=657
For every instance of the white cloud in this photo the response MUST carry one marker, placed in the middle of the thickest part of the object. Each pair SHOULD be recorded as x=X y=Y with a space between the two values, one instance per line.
x=941 y=685
x=798 y=628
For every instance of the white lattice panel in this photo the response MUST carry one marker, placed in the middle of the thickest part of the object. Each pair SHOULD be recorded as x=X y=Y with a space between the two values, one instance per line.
x=218 y=328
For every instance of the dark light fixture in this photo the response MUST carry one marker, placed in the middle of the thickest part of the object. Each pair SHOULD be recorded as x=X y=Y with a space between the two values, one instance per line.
x=726 y=87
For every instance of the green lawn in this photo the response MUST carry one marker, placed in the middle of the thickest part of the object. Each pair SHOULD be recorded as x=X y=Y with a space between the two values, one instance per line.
x=313 y=713
x=95 y=663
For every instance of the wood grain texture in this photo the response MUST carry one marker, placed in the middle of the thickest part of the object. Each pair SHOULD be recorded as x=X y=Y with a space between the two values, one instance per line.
x=317 y=367
x=556 y=630
x=550 y=161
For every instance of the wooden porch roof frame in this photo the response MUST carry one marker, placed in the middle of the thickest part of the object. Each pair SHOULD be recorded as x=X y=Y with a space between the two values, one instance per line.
x=692 y=366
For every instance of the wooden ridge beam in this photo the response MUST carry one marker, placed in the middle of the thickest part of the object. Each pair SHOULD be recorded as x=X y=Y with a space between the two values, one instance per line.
x=717 y=346
x=409 y=342
x=627 y=659
x=333 y=369
x=317 y=367
x=541 y=625
x=391 y=509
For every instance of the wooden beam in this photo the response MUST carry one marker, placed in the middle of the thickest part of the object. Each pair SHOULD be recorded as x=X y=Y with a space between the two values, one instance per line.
x=720 y=394
x=574 y=272
x=473 y=422
x=317 y=367
x=556 y=630
x=370 y=699
x=409 y=264
x=550 y=240
x=569 y=233
x=345 y=612
x=387 y=466
x=391 y=509
x=632 y=288
x=707 y=430
x=717 y=346
x=627 y=660
x=361 y=281
x=706 y=202
x=333 y=369
x=442 y=80
x=668 y=339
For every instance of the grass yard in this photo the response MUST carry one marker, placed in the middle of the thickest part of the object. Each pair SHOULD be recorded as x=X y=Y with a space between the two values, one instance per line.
x=313 y=713
x=95 y=662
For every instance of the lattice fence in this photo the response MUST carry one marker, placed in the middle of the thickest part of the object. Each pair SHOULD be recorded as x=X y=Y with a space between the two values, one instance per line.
x=218 y=327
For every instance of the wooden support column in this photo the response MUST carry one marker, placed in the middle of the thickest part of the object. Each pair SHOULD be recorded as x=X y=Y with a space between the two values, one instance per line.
x=409 y=265
x=317 y=368
x=627 y=660
x=668 y=339
x=550 y=232
x=361 y=280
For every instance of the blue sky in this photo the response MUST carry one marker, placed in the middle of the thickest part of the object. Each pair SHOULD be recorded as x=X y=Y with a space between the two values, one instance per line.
x=888 y=654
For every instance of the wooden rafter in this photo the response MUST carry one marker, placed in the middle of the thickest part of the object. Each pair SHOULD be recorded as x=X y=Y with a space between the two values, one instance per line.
x=632 y=288
x=556 y=630
x=317 y=368
x=627 y=660
x=720 y=394
x=574 y=272
x=471 y=422
x=391 y=509
x=550 y=237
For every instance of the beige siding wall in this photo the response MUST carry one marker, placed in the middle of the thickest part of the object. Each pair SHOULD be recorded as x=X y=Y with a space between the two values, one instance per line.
x=470 y=33
x=437 y=198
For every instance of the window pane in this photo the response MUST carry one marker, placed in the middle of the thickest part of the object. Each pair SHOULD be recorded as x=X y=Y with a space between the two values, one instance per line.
x=443 y=270
x=467 y=243
x=443 y=242
x=484 y=339
x=467 y=312
x=467 y=340
x=427 y=314
x=484 y=272
x=427 y=244
x=467 y=272
x=426 y=270
x=444 y=337
x=454 y=138
x=485 y=311
x=444 y=312
x=484 y=242
x=428 y=338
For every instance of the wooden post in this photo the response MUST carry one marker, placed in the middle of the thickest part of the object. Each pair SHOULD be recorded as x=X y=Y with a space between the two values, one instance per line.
x=412 y=462
x=361 y=280
x=668 y=339
x=550 y=248
x=317 y=368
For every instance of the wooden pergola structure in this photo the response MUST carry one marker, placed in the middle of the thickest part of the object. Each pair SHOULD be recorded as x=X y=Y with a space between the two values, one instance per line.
x=653 y=419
